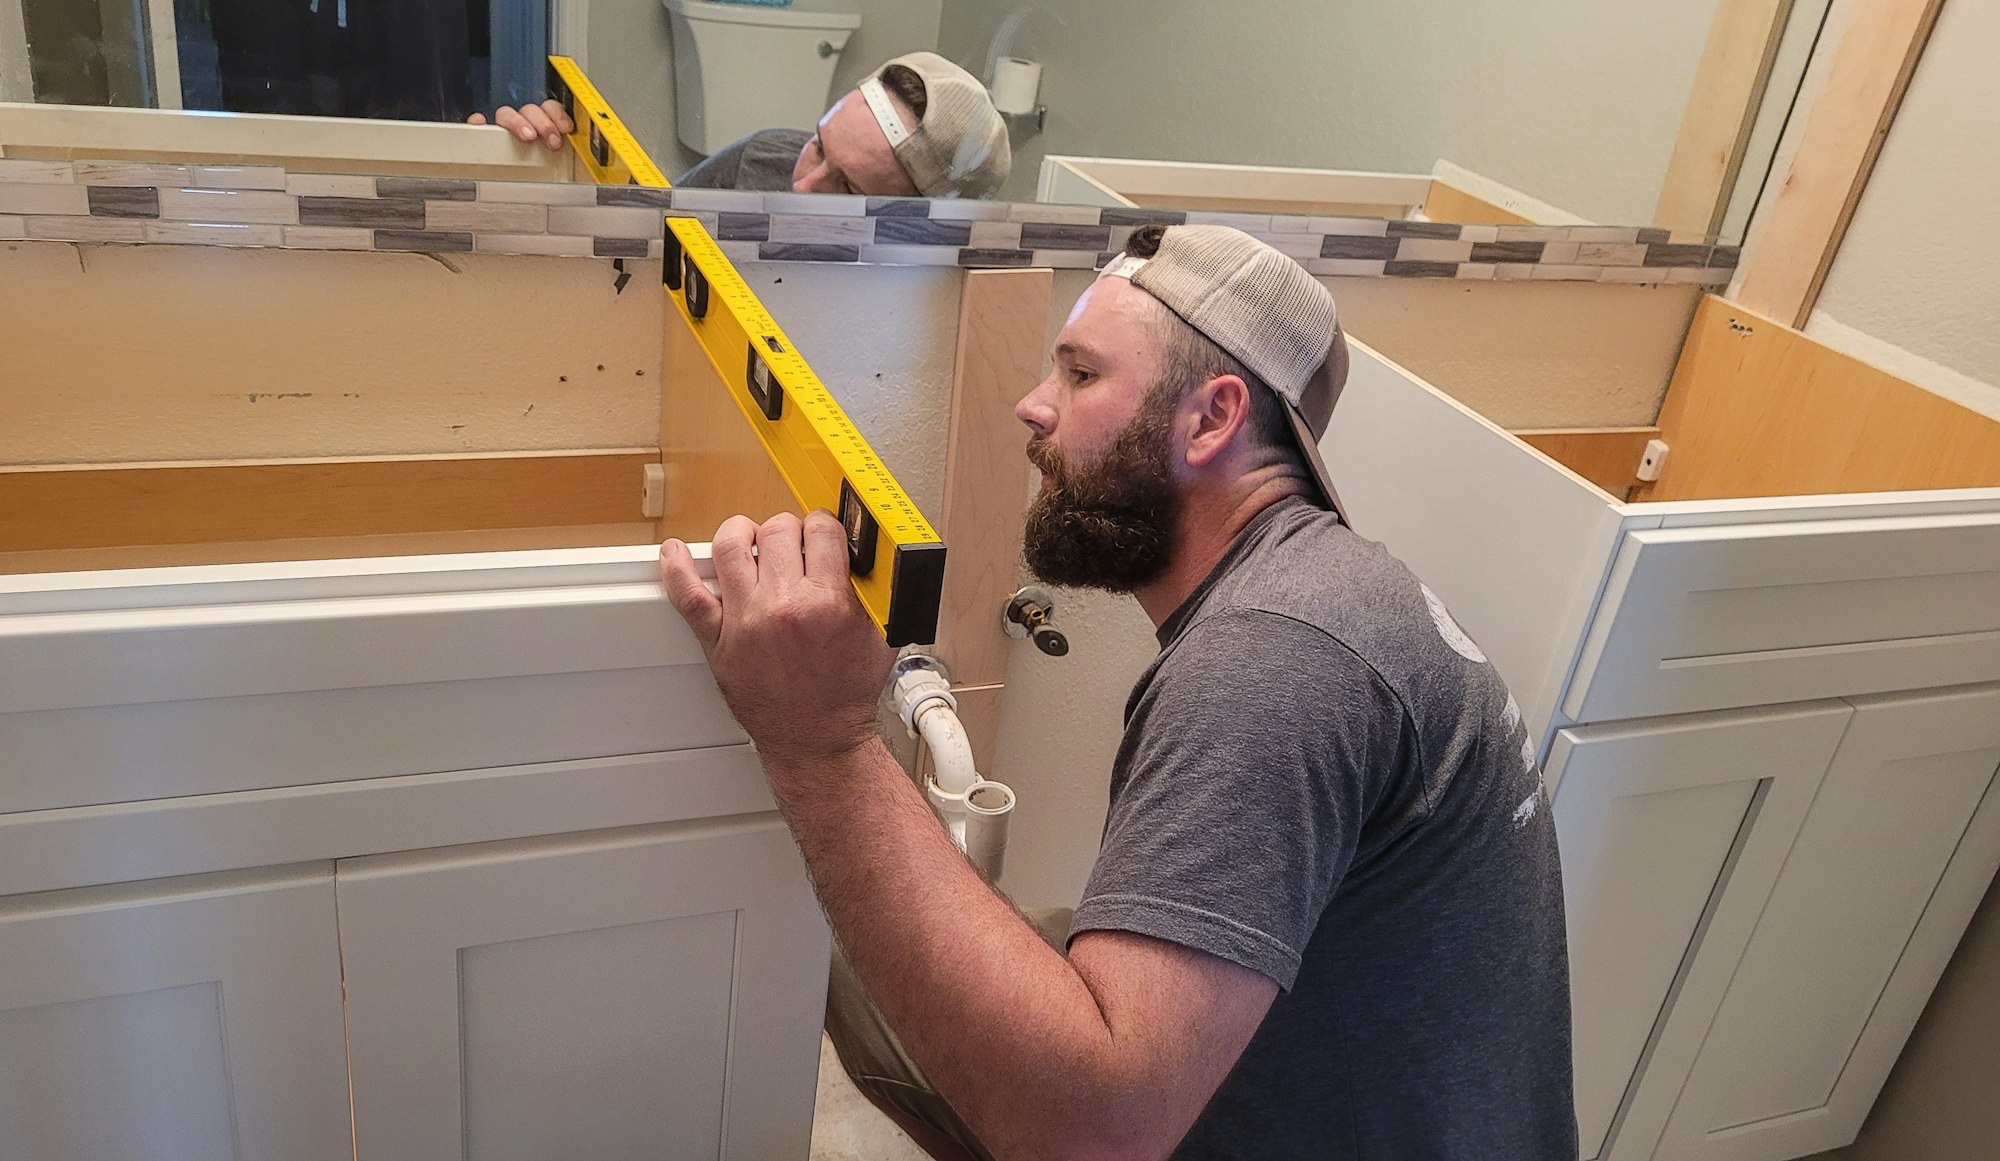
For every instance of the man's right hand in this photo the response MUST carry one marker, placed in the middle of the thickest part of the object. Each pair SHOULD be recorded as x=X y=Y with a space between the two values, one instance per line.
x=546 y=121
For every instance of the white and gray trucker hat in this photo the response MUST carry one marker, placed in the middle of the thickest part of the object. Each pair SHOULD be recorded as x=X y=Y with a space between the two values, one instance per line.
x=959 y=147
x=1265 y=311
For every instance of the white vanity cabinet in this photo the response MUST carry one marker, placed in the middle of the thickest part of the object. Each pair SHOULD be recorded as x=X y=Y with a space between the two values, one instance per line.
x=473 y=833
x=1770 y=734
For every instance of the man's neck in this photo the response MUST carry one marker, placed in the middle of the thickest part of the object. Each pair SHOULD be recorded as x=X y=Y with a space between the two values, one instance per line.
x=1209 y=526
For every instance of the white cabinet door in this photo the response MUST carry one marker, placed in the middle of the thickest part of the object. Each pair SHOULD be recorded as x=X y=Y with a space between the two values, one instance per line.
x=1895 y=855
x=648 y=992
x=1671 y=834
x=196 y=1019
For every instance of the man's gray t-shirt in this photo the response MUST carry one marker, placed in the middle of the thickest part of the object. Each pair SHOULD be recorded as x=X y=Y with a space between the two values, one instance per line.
x=764 y=160
x=1323 y=780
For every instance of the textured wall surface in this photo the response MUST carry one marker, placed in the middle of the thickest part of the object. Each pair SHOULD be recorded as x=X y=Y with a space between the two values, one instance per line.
x=1899 y=278
x=1575 y=102
x=883 y=339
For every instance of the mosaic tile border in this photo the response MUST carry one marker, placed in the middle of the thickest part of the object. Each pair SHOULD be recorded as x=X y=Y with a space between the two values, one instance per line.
x=263 y=206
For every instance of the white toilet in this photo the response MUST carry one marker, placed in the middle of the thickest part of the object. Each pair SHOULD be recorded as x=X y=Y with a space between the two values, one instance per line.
x=739 y=68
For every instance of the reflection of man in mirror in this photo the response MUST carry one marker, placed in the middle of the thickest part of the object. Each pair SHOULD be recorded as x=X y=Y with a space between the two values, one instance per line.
x=919 y=126
x=1326 y=916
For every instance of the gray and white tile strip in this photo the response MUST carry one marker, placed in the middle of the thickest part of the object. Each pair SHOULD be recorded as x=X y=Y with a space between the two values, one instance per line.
x=263 y=206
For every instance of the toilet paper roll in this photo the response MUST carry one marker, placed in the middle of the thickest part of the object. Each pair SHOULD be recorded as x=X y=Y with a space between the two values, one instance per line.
x=1016 y=84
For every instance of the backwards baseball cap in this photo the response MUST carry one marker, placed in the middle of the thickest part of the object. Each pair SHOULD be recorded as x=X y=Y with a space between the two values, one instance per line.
x=1265 y=311
x=959 y=147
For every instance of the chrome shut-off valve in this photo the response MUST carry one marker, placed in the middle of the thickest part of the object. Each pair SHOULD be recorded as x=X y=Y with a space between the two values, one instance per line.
x=1029 y=613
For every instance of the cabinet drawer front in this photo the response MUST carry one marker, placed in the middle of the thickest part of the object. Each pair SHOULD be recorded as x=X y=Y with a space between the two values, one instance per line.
x=1761 y=614
x=1893 y=858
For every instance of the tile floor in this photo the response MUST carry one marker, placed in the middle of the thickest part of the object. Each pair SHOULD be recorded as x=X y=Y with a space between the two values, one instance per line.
x=846 y=1127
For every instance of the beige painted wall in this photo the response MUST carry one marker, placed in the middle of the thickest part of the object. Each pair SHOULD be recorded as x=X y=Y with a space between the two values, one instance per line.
x=632 y=61
x=1915 y=272
x=1575 y=102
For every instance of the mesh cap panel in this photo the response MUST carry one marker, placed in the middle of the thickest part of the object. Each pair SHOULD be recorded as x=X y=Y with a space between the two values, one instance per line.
x=1250 y=300
x=960 y=145
x=1265 y=311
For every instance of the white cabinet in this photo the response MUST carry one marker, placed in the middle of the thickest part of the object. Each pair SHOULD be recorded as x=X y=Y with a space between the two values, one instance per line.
x=197 y=1019
x=654 y=992
x=1893 y=859
x=1671 y=835
x=1770 y=751
x=508 y=813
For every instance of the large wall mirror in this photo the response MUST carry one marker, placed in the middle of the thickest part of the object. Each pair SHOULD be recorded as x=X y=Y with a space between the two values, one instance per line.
x=1629 y=113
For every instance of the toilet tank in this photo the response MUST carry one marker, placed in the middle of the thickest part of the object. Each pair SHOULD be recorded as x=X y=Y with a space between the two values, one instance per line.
x=739 y=68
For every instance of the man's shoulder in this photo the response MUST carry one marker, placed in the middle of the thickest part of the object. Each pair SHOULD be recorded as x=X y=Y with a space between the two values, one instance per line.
x=1356 y=598
x=763 y=160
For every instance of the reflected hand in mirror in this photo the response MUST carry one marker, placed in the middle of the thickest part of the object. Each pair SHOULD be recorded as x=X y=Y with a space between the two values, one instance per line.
x=546 y=121
x=918 y=126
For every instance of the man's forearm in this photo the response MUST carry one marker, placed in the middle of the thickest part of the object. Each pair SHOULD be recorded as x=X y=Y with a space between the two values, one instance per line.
x=1002 y=1024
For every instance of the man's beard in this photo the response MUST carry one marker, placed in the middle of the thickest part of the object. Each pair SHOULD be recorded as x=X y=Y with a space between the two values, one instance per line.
x=1108 y=524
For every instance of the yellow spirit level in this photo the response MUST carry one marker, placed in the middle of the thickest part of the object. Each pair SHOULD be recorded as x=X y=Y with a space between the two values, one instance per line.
x=607 y=149
x=896 y=558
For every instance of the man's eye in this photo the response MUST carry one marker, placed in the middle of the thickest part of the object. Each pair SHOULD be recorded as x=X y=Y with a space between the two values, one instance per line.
x=1080 y=376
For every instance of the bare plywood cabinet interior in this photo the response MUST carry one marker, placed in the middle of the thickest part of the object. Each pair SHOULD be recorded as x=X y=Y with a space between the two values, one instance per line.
x=1759 y=409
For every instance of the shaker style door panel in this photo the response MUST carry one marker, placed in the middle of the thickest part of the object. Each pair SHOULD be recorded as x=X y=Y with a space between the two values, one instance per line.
x=647 y=992
x=1893 y=858
x=1759 y=614
x=1671 y=832
x=195 y=1019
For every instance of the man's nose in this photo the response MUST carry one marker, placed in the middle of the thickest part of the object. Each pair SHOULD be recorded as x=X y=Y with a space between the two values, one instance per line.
x=1037 y=409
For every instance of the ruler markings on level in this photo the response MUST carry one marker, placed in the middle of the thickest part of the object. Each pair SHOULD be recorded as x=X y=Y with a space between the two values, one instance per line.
x=608 y=149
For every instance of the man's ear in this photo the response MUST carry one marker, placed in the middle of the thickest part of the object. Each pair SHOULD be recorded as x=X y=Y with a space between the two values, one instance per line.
x=1213 y=415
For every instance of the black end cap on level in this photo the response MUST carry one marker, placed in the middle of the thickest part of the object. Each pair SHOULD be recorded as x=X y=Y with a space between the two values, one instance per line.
x=559 y=90
x=916 y=592
x=670 y=250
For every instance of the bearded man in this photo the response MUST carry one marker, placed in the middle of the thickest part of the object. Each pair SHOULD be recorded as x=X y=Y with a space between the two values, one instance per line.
x=1326 y=918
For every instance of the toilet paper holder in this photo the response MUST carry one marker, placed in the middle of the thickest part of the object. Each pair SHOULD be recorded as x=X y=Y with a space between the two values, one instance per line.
x=1038 y=119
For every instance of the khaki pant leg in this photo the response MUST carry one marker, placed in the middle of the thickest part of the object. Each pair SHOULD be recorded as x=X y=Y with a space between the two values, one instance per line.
x=875 y=1058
